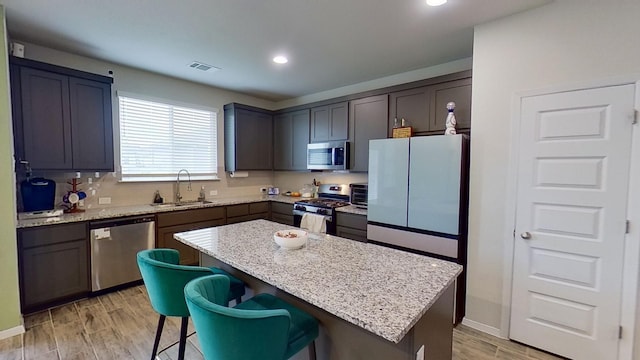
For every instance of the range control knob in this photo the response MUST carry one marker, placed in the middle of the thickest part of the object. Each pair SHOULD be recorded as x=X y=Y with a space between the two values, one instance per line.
x=322 y=211
x=300 y=207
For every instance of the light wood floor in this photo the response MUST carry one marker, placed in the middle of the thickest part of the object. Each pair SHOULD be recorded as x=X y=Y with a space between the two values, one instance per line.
x=121 y=325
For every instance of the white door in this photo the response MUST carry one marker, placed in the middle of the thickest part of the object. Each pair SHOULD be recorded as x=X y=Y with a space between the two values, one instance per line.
x=573 y=181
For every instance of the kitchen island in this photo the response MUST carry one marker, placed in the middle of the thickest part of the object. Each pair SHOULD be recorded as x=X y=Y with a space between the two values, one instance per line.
x=372 y=302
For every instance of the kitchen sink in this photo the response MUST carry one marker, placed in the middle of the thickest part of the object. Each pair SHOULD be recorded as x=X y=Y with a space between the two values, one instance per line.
x=182 y=203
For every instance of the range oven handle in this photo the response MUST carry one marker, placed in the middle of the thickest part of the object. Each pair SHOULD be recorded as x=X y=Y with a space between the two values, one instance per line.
x=300 y=213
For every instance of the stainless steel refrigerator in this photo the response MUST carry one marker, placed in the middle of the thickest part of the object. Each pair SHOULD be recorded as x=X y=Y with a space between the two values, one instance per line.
x=418 y=196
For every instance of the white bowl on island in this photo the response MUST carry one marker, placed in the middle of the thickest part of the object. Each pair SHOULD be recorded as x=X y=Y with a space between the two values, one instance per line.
x=291 y=239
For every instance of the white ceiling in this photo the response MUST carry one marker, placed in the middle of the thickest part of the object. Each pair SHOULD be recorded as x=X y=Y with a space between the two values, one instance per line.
x=330 y=43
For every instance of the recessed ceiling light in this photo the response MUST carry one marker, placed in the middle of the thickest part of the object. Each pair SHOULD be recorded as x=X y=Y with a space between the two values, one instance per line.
x=436 y=2
x=280 y=59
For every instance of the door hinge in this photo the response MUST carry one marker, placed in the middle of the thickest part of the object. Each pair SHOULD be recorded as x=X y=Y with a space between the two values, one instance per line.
x=635 y=116
x=620 y=332
x=628 y=227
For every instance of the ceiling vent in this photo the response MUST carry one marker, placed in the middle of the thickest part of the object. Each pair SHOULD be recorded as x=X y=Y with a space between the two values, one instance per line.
x=202 y=66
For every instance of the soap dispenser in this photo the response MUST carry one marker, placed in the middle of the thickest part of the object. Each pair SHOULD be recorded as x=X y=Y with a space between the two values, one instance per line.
x=201 y=196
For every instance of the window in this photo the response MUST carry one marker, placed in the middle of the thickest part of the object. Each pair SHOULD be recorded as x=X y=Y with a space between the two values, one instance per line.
x=157 y=140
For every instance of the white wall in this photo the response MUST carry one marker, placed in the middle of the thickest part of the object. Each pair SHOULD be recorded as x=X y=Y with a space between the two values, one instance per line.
x=563 y=43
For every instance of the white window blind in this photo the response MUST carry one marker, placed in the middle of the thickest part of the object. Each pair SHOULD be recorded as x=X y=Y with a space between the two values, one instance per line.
x=157 y=140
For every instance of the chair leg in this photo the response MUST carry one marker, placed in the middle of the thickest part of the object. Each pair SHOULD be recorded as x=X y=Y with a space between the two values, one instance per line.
x=312 y=350
x=158 y=333
x=183 y=338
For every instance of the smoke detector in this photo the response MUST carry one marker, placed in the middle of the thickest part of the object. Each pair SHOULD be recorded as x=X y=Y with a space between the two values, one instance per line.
x=198 y=65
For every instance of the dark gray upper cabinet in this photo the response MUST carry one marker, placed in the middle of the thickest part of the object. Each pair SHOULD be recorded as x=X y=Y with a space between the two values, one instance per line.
x=90 y=105
x=458 y=91
x=62 y=117
x=248 y=138
x=368 y=117
x=425 y=108
x=411 y=105
x=290 y=139
x=46 y=120
x=330 y=122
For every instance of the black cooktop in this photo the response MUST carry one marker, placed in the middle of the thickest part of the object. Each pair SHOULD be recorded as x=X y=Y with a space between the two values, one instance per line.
x=323 y=202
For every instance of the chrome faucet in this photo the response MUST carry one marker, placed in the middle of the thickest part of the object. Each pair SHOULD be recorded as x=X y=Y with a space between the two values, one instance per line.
x=178 y=196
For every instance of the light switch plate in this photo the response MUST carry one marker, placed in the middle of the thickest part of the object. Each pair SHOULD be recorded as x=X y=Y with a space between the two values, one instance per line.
x=104 y=200
x=213 y=192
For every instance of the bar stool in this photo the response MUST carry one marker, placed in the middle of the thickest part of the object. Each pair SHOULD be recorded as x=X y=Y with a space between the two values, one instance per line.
x=165 y=281
x=261 y=328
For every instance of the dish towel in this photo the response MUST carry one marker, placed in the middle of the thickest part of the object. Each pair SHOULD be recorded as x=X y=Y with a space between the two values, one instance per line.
x=313 y=223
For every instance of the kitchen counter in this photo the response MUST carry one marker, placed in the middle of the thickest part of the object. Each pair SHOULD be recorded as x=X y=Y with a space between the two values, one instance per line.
x=382 y=290
x=121 y=211
x=352 y=209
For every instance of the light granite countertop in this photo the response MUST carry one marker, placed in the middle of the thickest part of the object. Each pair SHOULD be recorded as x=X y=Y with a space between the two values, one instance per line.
x=352 y=209
x=382 y=290
x=120 y=211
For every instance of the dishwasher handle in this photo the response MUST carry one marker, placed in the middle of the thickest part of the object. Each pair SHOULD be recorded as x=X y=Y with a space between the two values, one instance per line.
x=121 y=222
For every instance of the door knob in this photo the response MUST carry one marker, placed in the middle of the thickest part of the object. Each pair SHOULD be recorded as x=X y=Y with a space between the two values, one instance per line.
x=526 y=235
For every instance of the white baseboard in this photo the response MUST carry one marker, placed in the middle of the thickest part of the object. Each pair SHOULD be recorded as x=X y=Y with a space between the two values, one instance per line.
x=17 y=330
x=482 y=327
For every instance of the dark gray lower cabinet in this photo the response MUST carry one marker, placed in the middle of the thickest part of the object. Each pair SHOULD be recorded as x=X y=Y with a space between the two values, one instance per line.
x=351 y=226
x=282 y=213
x=173 y=222
x=54 y=265
x=247 y=212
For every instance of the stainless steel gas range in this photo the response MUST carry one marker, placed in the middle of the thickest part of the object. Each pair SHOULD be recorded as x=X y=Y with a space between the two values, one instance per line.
x=330 y=197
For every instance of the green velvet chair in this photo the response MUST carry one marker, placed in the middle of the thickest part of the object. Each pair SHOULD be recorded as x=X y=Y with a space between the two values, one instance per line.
x=261 y=328
x=165 y=281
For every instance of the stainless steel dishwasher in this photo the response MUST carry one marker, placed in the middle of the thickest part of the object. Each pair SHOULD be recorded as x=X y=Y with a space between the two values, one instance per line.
x=114 y=245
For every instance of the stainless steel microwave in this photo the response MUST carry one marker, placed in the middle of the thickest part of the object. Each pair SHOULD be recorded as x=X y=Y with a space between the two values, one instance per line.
x=332 y=155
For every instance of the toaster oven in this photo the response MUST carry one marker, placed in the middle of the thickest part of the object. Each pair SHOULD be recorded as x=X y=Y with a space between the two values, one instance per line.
x=359 y=193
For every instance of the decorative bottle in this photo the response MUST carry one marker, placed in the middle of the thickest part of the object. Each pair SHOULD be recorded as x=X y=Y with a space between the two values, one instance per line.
x=451 y=119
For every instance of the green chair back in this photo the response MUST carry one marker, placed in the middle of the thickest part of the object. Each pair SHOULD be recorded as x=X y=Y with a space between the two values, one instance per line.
x=165 y=280
x=233 y=334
